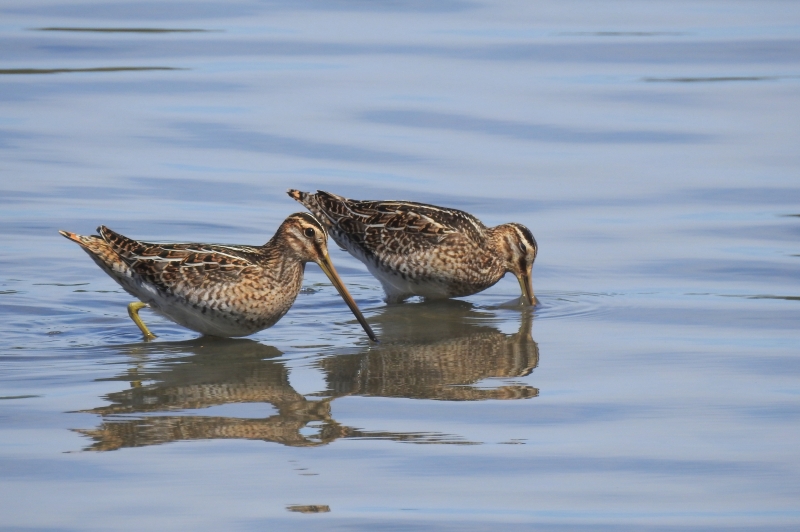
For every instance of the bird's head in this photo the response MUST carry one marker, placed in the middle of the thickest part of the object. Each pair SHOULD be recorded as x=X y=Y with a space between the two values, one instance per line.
x=307 y=240
x=518 y=248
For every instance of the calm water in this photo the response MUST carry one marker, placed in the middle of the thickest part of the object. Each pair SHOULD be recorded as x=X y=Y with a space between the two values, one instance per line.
x=652 y=148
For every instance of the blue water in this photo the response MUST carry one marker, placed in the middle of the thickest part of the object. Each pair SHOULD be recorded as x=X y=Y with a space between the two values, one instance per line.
x=651 y=147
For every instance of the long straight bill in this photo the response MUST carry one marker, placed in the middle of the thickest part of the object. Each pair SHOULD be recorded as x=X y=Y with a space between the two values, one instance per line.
x=327 y=267
x=527 y=288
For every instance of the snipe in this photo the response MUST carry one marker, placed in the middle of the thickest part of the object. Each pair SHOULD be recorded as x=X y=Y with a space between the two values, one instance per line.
x=425 y=250
x=215 y=289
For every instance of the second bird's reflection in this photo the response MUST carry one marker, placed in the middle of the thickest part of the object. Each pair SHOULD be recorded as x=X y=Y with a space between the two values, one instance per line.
x=429 y=351
x=437 y=350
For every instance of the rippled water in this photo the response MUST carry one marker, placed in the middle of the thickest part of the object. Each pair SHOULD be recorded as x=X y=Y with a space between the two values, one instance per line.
x=651 y=147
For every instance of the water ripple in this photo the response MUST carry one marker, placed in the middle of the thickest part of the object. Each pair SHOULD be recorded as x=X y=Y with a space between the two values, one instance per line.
x=571 y=305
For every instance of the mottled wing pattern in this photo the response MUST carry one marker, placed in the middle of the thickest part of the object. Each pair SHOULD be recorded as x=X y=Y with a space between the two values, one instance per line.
x=176 y=268
x=398 y=227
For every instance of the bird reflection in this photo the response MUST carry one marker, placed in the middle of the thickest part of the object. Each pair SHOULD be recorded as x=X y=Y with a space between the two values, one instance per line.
x=432 y=351
x=216 y=372
x=436 y=351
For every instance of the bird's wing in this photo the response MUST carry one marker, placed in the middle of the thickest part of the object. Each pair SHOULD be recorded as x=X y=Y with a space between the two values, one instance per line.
x=392 y=226
x=177 y=268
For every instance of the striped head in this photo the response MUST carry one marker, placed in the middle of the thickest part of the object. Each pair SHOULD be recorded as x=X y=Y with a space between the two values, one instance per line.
x=518 y=248
x=304 y=237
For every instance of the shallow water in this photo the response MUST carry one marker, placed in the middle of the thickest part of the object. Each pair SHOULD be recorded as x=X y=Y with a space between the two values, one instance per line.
x=651 y=147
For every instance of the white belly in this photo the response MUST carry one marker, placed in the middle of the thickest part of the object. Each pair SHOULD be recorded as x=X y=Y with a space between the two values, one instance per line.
x=397 y=289
x=211 y=322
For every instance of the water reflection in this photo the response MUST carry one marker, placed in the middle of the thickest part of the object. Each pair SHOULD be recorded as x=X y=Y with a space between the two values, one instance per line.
x=123 y=30
x=309 y=508
x=714 y=79
x=22 y=71
x=436 y=351
x=182 y=10
x=414 y=118
x=429 y=351
x=207 y=135
x=215 y=372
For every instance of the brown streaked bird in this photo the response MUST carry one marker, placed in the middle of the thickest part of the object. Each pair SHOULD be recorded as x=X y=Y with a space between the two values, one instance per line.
x=415 y=249
x=216 y=289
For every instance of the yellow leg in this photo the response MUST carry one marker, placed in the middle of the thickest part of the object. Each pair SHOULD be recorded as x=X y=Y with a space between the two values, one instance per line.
x=133 y=312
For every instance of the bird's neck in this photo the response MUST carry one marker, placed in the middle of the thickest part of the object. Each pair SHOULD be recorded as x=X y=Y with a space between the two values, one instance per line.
x=501 y=240
x=278 y=257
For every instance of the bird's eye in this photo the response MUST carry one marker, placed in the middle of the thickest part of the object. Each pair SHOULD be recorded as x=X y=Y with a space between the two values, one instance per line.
x=309 y=232
x=522 y=247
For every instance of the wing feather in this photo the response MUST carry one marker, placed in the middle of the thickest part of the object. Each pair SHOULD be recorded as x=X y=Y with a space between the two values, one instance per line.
x=393 y=226
x=179 y=267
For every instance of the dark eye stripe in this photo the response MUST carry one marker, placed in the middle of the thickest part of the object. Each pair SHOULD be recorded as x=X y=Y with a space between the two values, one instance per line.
x=320 y=248
x=526 y=236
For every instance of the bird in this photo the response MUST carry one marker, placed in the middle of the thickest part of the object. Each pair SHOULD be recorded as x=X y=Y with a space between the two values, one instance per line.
x=415 y=249
x=217 y=289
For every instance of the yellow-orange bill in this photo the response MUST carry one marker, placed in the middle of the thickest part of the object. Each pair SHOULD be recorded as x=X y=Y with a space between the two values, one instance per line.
x=327 y=267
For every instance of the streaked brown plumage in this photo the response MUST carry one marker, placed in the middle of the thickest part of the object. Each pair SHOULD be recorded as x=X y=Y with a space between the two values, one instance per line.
x=425 y=250
x=215 y=289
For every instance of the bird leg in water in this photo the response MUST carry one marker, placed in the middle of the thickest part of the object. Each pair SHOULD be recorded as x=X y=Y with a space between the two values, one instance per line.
x=133 y=312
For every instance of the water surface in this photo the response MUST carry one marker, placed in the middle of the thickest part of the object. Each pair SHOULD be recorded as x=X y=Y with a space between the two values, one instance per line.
x=650 y=147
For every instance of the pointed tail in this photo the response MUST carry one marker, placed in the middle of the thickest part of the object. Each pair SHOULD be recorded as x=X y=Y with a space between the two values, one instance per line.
x=72 y=236
x=85 y=241
x=301 y=197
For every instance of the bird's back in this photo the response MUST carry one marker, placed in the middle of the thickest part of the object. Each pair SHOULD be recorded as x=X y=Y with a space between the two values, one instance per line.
x=391 y=226
x=412 y=248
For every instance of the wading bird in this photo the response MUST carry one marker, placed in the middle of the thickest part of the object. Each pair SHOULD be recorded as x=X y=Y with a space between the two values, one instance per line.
x=415 y=249
x=215 y=289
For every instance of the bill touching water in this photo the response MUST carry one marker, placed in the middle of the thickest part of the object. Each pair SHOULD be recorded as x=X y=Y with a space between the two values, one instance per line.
x=215 y=289
x=415 y=249
x=649 y=147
